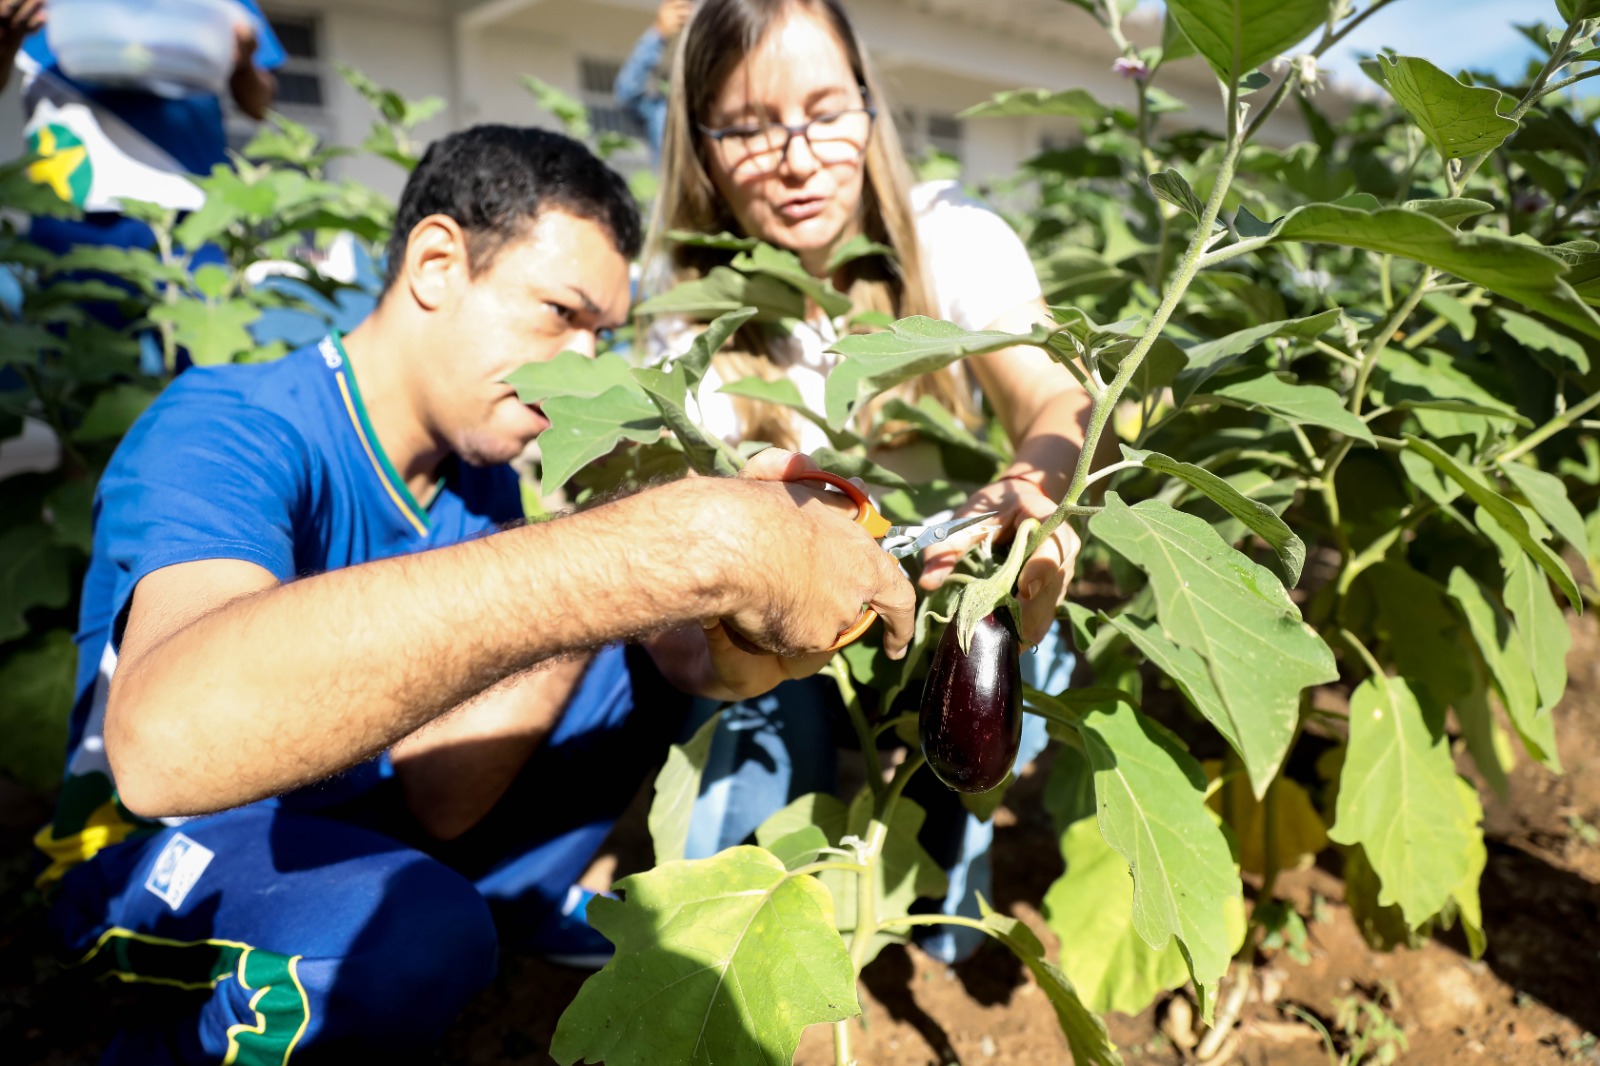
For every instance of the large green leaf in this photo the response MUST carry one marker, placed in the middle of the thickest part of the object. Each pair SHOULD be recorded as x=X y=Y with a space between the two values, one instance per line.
x=1453 y=210
x=904 y=872
x=1151 y=799
x=785 y=393
x=935 y=422
x=677 y=785
x=1424 y=631
x=571 y=374
x=212 y=332
x=1503 y=511
x=584 y=428
x=722 y=960
x=37 y=682
x=786 y=267
x=1521 y=272
x=1236 y=36
x=1078 y=103
x=1548 y=497
x=1398 y=799
x=1257 y=517
x=669 y=391
x=1086 y=1034
x=1305 y=405
x=1507 y=658
x=1090 y=909
x=34 y=572
x=1234 y=613
x=1208 y=357
x=1531 y=333
x=723 y=290
x=112 y=412
x=1447 y=401
x=1460 y=120
x=1542 y=628
x=910 y=348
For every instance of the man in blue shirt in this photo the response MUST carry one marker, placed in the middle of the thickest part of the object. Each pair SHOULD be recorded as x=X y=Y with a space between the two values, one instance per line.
x=302 y=611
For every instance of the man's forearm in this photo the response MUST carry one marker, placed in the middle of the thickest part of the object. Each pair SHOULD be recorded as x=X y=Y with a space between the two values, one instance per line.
x=300 y=681
x=253 y=89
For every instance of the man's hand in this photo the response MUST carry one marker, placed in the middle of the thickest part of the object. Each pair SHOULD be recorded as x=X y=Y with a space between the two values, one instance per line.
x=805 y=569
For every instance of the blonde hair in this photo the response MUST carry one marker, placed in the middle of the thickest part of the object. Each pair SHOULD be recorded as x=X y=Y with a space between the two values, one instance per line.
x=719 y=35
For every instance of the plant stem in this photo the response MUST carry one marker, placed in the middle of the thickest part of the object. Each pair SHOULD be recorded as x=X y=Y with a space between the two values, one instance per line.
x=1535 y=91
x=1100 y=413
x=1232 y=251
x=1558 y=86
x=1381 y=339
x=858 y=721
x=902 y=775
x=1550 y=429
x=910 y=920
x=867 y=897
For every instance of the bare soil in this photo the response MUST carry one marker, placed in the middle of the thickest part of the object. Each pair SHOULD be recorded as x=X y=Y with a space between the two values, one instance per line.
x=1533 y=999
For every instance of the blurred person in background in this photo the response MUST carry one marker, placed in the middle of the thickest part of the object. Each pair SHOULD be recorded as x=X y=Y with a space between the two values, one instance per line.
x=98 y=144
x=777 y=129
x=641 y=84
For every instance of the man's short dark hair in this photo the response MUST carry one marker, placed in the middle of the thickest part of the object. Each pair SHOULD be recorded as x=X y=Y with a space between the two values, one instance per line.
x=496 y=180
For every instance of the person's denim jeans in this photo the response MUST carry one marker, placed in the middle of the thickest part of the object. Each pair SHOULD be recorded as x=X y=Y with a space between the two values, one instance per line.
x=771 y=750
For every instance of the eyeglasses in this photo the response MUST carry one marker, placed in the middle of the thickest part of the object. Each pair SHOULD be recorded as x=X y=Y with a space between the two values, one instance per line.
x=760 y=148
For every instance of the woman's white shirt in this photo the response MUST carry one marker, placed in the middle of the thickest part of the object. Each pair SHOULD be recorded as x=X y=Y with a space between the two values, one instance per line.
x=978 y=268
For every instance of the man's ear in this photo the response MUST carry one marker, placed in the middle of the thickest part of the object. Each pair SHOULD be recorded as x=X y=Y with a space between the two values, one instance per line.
x=436 y=261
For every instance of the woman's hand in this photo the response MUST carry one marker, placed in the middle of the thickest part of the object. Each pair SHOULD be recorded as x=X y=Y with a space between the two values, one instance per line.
x=1042 y=585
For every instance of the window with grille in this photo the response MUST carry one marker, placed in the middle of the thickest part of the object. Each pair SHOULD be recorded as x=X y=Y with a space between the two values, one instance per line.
x=597 y=79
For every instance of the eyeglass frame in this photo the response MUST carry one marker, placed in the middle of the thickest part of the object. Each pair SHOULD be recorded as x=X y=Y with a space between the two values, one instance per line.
x=801 y=129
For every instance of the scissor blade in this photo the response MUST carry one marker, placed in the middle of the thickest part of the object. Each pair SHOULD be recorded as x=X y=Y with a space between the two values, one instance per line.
x=931 y=535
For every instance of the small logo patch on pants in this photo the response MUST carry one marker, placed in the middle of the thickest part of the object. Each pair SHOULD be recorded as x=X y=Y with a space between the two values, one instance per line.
x=177 y=868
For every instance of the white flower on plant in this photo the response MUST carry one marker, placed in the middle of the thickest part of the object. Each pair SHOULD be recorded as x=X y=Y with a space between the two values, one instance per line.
x=1131 y=67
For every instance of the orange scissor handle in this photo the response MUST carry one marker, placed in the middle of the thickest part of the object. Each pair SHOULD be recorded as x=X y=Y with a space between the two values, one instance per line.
x=868 y=518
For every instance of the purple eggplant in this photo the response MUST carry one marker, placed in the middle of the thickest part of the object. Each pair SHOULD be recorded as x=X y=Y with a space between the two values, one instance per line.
x=971 y=719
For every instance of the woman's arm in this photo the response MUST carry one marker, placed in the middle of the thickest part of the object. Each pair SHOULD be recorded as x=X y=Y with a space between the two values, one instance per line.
x=1045 y=412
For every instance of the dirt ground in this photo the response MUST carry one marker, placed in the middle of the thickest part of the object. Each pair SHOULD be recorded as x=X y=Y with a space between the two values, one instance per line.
x=1533 y=999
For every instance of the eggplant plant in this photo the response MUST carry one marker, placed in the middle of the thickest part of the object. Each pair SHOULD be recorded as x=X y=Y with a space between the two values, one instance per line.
x=1339 y=466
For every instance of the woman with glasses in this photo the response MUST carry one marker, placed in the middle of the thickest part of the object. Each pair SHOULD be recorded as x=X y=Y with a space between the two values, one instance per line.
x=776 y=129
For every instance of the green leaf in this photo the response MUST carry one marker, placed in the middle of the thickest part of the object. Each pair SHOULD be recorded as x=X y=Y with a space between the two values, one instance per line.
x=723 y=960
x=669 y=391
x=1258 y=518
x=1090 y=909
x=37 y=679
x=34 y=572
x=214 y=333
x=1454 y=311
x=1531 y=333
x=1398 y=799
x=935 y=422
x=584 y=428
x=724 y=289
x=846 y=464
x=1382 y=927
x=904 y=871
x=1171 y=186
x=1521 y=272
x=113 y=411
x=571 y=374
x=1548 y=497
x=1424 y=632
x=1152 y=810
x=786 y=267
x=1209 y=357
x=1447 y=400
x=1542 y=628
x=723 y=241
x=858 y=247
x=1460 y=120
x=1236 y=36
x=1465 y=895
x=1305 y=405
x=1086 y=1034
x=677 y=785
x=1175 y=44
x=1503 y=511
x=1507 y=658
x=874 y=362
x=1451 y=210
x=708 y=342
x=1234 y=614
x=1078 y=103
x=570 y=112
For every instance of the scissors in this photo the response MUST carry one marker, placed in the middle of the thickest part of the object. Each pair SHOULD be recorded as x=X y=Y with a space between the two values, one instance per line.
x=898 y=541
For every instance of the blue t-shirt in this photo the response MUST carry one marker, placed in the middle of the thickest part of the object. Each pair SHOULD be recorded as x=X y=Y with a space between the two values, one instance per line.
x=189 y=128
x=271 y=463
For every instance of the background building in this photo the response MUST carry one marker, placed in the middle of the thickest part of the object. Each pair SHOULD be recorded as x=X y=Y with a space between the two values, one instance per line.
x=936 y=57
